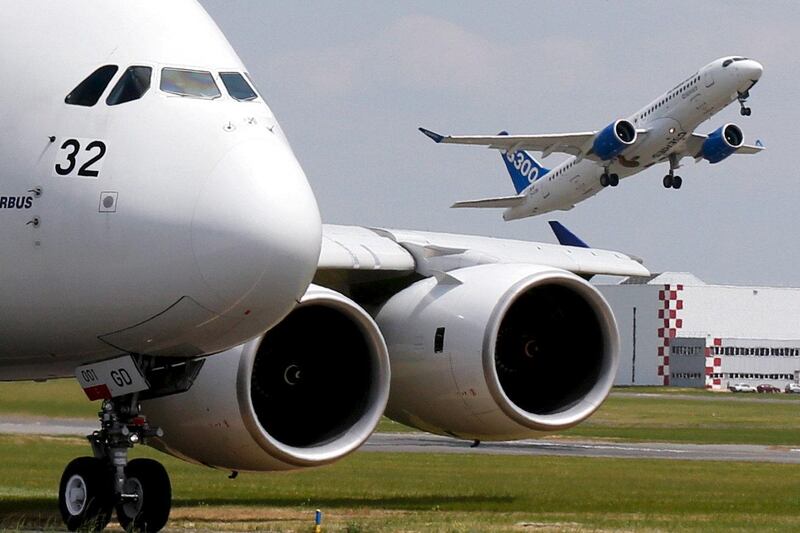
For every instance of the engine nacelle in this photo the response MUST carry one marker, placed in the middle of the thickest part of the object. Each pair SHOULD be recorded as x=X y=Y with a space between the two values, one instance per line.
x=306 y=393
x=614 y=139
x=499 y=352
x=721 y=143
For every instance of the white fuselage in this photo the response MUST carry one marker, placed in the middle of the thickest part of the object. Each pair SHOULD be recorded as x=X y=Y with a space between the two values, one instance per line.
x=668 y=121
x=199 y=229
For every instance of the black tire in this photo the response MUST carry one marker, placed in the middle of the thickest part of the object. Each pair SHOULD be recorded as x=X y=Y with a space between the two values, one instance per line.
x=86 y=494
x=150 y=480
x=604 y=180
x=677 y=182
x=613 y=180
x=668 y=181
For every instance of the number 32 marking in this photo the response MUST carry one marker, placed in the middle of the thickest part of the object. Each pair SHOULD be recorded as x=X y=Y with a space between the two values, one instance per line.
x=70 y=155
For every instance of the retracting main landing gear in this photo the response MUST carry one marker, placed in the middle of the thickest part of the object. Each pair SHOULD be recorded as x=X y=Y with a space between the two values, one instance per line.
x=671 y=181
x=92 y=487
x=607 y=179
x=745 y=111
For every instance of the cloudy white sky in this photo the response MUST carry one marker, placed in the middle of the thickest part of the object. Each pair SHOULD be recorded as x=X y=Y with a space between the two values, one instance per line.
x=351 y=81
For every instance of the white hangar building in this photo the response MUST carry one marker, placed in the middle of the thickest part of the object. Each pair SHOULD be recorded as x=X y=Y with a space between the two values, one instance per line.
x=677 y=330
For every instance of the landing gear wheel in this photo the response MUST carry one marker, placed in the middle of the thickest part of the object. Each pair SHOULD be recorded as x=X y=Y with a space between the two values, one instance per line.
x=604 y=180
x=148 y=484
x=613 y=180
x=677 y=182
x=668 y=181
x=85 y=494
x=745 y=111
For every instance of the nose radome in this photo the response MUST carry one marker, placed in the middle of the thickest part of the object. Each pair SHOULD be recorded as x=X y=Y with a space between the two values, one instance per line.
x=751 y=69
x=256 y=233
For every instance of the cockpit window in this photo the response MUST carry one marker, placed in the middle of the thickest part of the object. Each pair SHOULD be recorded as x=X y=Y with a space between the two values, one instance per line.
x=192 y=83
x=131 y=86
x=237 y=86
x=89 y=91
x=731 y=60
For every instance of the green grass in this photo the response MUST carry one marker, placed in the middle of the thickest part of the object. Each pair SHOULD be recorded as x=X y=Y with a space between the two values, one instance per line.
x=421 y=492
x=688 y=420
x=57 y=398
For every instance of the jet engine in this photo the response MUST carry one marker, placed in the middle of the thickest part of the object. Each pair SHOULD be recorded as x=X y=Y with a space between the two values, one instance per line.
x=721 y=143
x=614 y=139
x=498 y=351
x=306 y=393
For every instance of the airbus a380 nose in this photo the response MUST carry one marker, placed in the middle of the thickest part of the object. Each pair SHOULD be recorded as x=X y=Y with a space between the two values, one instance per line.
x=158 y=208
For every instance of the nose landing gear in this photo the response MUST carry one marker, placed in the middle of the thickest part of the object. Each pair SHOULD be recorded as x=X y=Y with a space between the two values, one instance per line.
x=671 y=181
x=745 y=111
x=139 y=490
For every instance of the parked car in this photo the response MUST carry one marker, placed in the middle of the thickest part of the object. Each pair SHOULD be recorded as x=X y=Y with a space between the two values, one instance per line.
x=766 y=387
x=792 y=387
x=741 y=387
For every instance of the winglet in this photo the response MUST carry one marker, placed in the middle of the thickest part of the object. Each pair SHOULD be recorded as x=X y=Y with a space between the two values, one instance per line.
x=433 y=135
x=566 y=237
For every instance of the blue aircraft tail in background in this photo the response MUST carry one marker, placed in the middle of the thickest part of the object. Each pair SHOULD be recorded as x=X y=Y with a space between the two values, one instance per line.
x=566 y=237
x=523 y=168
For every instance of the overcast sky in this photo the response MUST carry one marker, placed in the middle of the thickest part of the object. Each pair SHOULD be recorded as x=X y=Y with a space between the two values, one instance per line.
x=350 y=82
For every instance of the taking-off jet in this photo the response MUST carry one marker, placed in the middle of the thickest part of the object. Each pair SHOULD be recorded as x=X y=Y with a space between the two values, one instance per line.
x=662 y=131
x=162 y=245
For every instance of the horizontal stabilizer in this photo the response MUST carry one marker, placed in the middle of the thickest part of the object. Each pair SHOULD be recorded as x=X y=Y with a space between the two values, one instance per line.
x=503 y=201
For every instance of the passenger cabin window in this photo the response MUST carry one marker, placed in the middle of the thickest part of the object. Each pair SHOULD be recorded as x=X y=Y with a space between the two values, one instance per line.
x=191 y=83
x=89 y=91
x=237 y=86
x=131 y=86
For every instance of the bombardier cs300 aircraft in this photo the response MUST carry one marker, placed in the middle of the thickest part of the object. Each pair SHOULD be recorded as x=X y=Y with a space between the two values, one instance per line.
x=161 y=244
x=662 y=131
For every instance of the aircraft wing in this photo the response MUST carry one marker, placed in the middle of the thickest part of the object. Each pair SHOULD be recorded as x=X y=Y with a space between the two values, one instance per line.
x=503 y=201
x=694 y=146
x=567 y=143
x=358 y=254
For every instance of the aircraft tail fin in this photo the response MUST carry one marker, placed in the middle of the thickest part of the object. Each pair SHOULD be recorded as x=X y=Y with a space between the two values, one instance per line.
x=566 y=237
x=523 y=168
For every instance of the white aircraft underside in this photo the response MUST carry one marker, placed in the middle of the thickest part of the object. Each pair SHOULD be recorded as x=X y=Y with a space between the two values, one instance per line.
x=162 y=244
x=662 y=131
